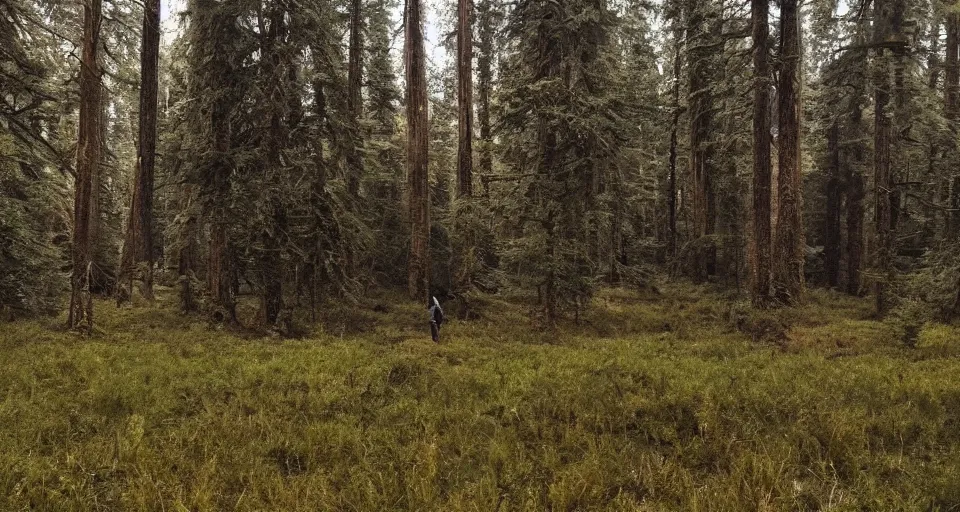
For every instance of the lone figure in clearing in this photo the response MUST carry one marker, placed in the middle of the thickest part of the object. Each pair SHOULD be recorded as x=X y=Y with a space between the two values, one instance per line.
x=436 y=319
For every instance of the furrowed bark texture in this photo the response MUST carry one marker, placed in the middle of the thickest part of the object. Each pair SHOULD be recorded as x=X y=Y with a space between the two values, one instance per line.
x=465 y=99
x=89 y=147
x=788 y=254
x=418 y=190
x=138 y=246
x=762 y=167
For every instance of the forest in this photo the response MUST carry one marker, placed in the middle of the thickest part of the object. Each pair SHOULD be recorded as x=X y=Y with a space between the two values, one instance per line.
x=691 y=254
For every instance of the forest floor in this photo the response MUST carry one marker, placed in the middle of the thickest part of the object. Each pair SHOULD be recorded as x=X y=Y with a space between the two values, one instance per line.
x=669 y=401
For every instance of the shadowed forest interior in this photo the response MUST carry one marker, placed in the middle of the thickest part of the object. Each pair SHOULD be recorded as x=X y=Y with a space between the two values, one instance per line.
x=647 y=222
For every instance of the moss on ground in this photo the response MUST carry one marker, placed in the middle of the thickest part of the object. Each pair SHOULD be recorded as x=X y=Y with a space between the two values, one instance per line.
x=653 y=402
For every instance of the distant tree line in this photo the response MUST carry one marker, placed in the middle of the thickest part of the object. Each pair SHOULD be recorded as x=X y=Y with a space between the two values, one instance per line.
x=271 y=150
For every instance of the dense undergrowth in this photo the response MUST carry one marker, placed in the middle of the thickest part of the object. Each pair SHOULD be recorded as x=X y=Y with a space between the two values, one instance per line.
x=677 y=401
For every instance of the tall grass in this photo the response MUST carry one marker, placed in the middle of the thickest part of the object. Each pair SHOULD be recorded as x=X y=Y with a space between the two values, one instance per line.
x=652 y=403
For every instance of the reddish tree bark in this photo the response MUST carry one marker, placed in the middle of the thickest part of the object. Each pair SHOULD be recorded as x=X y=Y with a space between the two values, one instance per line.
x=88 y=167
x=701 y=148
x=355 y=99
x=951 y=87
x=418 y=190
x=218 y=253
x=762 y=167
x=465 y=99
x=855 y=220
x=269 y=258
x=834 y=192
x=323 y=232
x=138 y=246
x=788 y=253
x=883 y=137
x=674 y=143
x=485 y=20
x=187 y=262
x=951 y=109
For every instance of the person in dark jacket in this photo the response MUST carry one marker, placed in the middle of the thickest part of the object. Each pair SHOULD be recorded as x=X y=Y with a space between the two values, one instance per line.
x=436 y=319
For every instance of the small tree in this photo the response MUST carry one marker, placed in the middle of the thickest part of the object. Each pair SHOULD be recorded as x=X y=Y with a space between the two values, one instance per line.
x=563 y=130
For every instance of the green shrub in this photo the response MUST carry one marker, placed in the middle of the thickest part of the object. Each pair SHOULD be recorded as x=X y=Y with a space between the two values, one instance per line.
x=31 y=281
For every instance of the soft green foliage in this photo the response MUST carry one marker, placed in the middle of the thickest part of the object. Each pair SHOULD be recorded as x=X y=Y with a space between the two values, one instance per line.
x=259 y=141
x=39 y=66
x=655 y=402
x=30 y=281
x=936 y=285
x=474 y=246
x=563 y=128
x=383 y=207
x=31 y=169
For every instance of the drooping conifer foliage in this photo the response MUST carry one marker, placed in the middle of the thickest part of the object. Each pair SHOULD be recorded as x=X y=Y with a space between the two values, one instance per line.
x=562 y=120
x=264 y=156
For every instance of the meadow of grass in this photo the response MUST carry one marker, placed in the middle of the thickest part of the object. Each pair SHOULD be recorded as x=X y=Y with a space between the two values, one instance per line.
x=674 y=401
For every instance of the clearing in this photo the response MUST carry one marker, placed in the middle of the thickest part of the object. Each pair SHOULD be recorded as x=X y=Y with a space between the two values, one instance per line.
x=666 y=402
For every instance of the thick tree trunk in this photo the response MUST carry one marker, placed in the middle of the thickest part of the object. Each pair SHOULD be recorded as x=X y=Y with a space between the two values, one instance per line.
x=556 y=231
x=898 y=206
x=187 y=263
x=218 y=255
x=138 y=246
x=856 y=194
x=318 y=196
x=418 y=189
x=465 y=98
x=218 y=273
x=701 y=147
x=485 y=85
x=271 y=268
x=355 y=99
x=211 y=75
x=762 y=167
x=832 y=225
x=955 y=205
x=883 y=137
x=952 y=113
x=952 y=67
x=855 y=219
x=935 y=68
x=615 y=255
x=882 y=195
x=102 y=275
x=788 y=253
x=319 y=200
x=270 y=261
x=674 y=136
x=89 y=147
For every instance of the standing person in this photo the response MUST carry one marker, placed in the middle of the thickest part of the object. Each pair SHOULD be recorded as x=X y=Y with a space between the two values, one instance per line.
x=436 y=319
